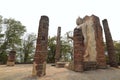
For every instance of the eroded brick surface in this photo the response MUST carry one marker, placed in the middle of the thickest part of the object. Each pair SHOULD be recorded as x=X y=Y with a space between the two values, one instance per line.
x=39 y=68
x=11 y=58
x=101 y=59
x=78 y=49
x=58 y=45
x=88 y=44
x=109 y=44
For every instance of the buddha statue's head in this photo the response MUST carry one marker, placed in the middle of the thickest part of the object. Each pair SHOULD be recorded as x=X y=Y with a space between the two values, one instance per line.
x=79 y=21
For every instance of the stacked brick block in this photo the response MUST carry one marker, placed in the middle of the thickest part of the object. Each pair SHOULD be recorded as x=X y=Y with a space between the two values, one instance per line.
x=78 y=50
x=58 y=45
x=11 y=58
x=39 y=64
x=109 y=44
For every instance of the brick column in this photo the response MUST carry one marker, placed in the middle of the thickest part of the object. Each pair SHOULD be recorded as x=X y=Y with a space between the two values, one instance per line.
x=78 y=49
x=58 y=45
x=11 y=58
x=109 y=44
x=101 y=59
x=39 y=64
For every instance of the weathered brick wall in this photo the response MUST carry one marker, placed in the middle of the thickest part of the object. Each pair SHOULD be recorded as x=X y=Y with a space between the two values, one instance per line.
x=109 y=44
x=90 y=66
x=91 y=51
x=11 y=58
x=78 y=49
x=58 y=45
x=39 y=64
x=101 y=59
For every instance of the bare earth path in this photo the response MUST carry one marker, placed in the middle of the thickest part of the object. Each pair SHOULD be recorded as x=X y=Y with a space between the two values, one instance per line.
x=23 y=72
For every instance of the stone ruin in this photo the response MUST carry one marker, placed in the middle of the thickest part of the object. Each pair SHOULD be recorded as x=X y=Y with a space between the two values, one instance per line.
x=89 y=47
x=11 y=58
x=78 y=49
x=58 y=45
x=87 y=42
x=39 y=63
x=58 y=62
x=110 y=45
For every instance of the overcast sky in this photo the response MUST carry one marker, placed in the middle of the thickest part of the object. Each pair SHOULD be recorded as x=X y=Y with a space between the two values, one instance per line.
x=61 y=13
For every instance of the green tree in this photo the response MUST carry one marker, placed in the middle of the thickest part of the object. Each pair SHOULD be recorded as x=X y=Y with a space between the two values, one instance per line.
x=12 y=39
x=1 y=34
x=117 y=49
x=66 y=48
x=29 y=47
x=51 y=49
x=106 y=53
x=15 y=30
x=3 y=56
x=1 y=24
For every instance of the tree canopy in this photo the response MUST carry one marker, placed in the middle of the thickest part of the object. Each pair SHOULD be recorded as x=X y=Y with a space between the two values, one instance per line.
x=13 y=32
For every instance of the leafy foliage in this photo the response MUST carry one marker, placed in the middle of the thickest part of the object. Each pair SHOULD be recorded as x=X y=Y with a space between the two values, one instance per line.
x=29 y=47
x=117 y=49
x=66 y=49
x=11 y=38
x=14 y=32
x=51 y=49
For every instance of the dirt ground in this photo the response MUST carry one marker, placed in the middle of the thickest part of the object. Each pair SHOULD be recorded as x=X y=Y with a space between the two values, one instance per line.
x=24 y=71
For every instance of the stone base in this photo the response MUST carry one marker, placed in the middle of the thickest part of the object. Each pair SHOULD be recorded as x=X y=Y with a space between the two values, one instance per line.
x=41 y=70
x=78 y=68
x=60 y=64
x=102 y=67
x=10 y=63
x=90 y=66
x=70 y=65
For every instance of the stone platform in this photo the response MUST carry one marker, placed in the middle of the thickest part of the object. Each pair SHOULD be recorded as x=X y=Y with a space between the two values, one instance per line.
x=90 y=66
x=60 y=64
